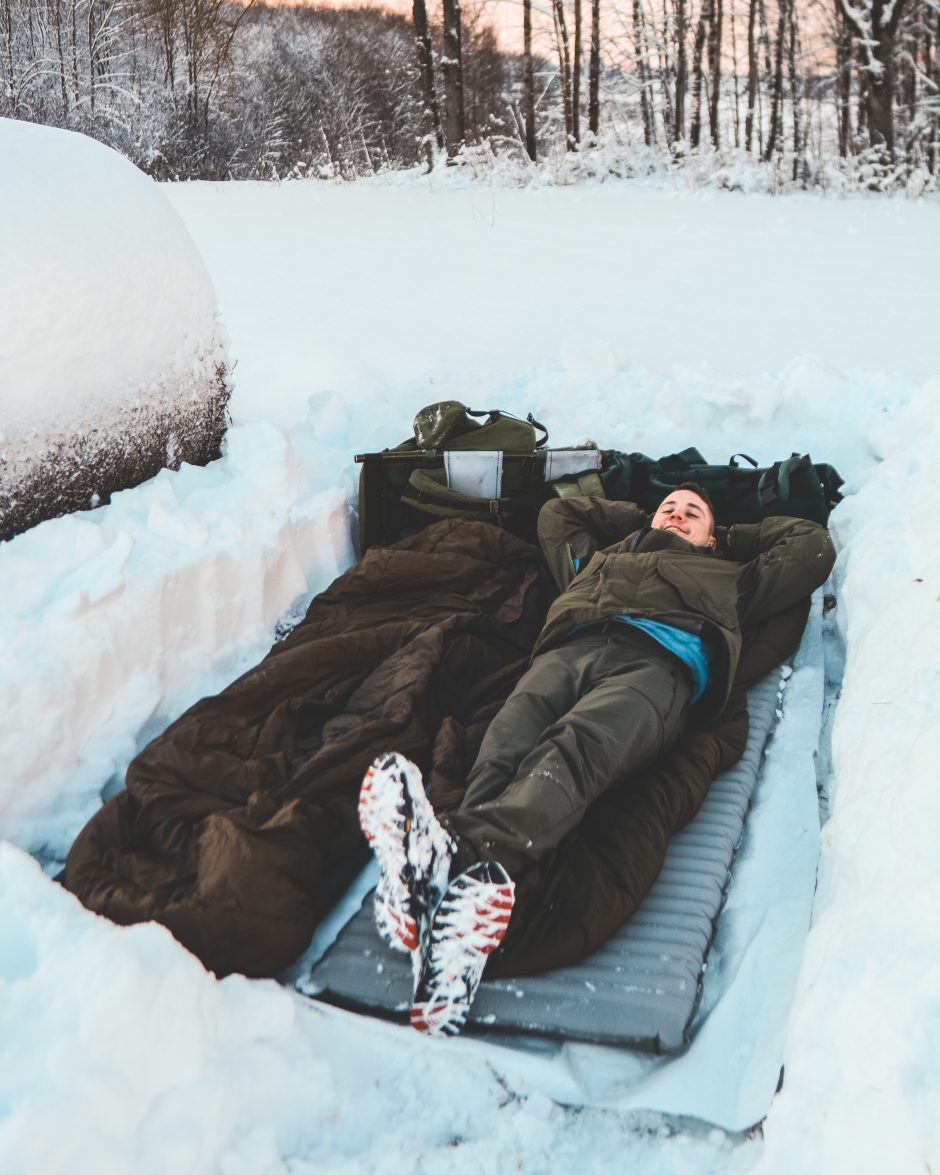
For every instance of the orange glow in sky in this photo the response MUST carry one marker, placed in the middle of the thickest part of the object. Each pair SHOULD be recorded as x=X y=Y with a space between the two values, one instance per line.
x=505 y=16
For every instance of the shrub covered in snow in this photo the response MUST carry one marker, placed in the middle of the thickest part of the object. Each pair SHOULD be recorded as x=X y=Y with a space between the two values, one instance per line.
x=112 y=365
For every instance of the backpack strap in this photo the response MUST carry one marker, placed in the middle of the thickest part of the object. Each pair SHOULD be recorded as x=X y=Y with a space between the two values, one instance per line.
x=427 y=491
x=494 y=415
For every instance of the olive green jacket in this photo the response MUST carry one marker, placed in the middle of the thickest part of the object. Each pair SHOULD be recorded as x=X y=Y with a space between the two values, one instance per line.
x=626 y=568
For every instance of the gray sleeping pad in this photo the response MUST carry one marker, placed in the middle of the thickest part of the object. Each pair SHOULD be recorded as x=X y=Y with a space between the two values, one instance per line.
x=641 y=988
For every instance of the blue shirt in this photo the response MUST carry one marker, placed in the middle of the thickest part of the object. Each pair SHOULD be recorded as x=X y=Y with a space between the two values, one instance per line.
x=689 y=648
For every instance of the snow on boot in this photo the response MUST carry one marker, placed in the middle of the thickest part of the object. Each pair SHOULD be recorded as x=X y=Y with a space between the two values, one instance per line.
x=467 y=927
x=412 y=849
x=396 y=927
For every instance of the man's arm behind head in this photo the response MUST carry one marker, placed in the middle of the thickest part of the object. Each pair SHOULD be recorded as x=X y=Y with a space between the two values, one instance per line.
x=572 y=529
x=785 y=560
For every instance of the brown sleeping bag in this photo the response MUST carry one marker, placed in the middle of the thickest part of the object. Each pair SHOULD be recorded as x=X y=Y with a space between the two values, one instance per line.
x=239 y=818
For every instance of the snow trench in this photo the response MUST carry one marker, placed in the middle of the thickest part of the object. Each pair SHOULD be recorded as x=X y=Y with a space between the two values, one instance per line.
x=116 y=620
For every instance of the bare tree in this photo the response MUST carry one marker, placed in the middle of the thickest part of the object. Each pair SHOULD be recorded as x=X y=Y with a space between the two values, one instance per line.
x=753 y=75
x=715 y=15
x=10 y=77
x=576 y=78
x=452 y=74
x=528 y=80
x=734 y=77
x=594 y=74
x=563 y=48
x=433 y=133
x=212 y=88
x=644 y=73
x=775 y=133
x=695 y=132
x=796 y=88
x=843 y=86
x=425 y=55
x=875 y=25
x=682 y=67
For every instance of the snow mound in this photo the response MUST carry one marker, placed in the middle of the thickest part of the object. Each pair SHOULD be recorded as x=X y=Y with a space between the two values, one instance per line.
x=111 y=361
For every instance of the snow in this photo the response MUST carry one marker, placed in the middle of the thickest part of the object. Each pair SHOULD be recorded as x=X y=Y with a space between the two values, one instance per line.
x=708 y=288
x=99 y=289
x=647 y=320
x=108 y=311
x=128 y=614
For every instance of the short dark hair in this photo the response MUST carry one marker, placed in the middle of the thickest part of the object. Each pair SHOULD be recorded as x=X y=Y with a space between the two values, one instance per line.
x=694 y=488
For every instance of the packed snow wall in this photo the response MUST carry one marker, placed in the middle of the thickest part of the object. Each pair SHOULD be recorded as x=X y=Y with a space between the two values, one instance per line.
x=112 y=364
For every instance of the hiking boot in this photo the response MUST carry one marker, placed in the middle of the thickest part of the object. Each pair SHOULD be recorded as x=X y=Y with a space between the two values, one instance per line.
x=468 y=925
x=396 y=927
x=413 y=851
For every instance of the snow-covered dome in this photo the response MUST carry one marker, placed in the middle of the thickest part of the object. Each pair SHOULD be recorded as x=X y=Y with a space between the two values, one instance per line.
x=112 y=363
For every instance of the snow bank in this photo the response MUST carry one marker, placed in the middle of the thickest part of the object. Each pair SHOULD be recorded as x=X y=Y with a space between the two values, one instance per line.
x=863 y=1070
x=111 y=360
x=114 y=621
x=117 y=1051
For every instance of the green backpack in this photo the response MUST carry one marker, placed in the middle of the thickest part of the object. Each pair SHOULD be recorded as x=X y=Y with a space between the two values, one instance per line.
x=451 y=425
x=794 y=487
x=403 y=489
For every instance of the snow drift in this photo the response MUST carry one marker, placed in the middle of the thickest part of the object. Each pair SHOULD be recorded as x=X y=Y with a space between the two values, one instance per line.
x=117 y=1050
x=112 y=365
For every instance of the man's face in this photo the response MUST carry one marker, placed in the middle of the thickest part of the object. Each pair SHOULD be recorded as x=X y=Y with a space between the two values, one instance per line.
x=684 y=512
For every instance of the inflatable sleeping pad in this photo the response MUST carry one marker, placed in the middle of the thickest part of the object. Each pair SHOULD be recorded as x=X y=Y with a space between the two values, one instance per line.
x=641 y=989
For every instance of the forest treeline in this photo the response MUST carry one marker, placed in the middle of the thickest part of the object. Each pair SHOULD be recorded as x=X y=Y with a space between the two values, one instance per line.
x=212 y=89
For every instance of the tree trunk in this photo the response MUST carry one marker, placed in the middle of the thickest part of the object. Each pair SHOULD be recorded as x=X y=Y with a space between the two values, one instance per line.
x=763 y=41
x=882 y=80
x=695 y=133
x=843 y=88
x=431 y=117
x=796 y=92
x=594 y=79
x=528 y=80
x=714 y=66
x=452 y=72
x=933 y=72
x=61 y=51
x=73 y=46
x=753 y=75
x=576 y=78
x=734 y=75
x=682 y=69
x=775 y=134
x=881 y=88
x=643 y=73
x=861 y=106
x=564 y=67
x=12 y=80
x=667 y=77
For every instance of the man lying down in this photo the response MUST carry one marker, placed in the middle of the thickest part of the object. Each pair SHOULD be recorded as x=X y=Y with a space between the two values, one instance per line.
x=641 y=649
